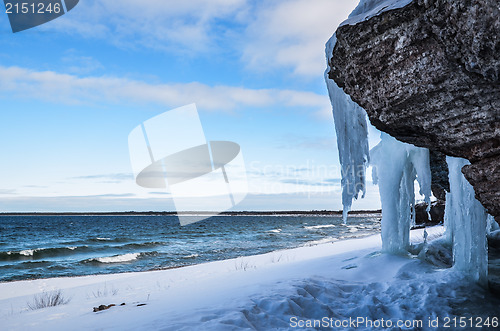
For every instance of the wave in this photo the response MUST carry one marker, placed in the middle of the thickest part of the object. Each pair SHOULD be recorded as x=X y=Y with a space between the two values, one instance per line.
x=129 y=257
x=192 y=256
x=37 y=253
x=108 y=239
x=142 y=245
x=316 y=227
x=25 y=265
x=27 y=252
x=40 y=253
x=118 y=258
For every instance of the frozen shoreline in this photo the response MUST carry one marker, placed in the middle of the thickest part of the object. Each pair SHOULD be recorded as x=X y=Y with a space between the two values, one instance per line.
x=250 y=292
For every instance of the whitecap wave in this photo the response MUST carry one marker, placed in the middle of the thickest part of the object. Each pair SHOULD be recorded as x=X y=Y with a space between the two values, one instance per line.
x=316 y=227
x=118 y=258
x=192 y=256
x=27 y=252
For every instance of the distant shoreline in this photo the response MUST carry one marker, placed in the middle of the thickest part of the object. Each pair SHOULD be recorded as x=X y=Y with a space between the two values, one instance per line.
x=173 y=213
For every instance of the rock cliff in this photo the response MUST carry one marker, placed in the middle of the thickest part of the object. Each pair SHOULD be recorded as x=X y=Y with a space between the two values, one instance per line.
x=429 y=75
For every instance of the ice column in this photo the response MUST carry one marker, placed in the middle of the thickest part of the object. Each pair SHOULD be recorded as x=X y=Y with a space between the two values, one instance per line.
x=466 y=222
x=396 y=167
x=492 y=225
x=352 y=139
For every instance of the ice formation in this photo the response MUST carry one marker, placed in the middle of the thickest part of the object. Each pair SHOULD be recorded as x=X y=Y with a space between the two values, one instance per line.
x=492 y=225
x=352 y=141
x=350 y=119
x=399 y=166
x=396 y=167
x=466 y=221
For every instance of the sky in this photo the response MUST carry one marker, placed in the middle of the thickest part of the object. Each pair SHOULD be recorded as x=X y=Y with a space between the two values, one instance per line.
x=72 y=90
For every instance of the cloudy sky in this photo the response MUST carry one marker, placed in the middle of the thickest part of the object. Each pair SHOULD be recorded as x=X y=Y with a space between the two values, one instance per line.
x=73 y=89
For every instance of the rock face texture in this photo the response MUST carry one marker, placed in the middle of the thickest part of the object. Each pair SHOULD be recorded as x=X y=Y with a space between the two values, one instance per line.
x=439 y=173
x=436 y=213
x=429 y=75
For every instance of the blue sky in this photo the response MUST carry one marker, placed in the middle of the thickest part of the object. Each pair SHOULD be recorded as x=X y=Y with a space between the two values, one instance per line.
x=72 y=90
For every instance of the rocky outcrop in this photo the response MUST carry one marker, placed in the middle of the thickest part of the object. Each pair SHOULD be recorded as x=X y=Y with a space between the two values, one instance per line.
x=435 y=215
x=439 y=173
x=429 y=75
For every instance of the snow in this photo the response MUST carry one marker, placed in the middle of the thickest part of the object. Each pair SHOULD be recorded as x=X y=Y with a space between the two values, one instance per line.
x=466 y=221
x=396 y=167
x=367 y=9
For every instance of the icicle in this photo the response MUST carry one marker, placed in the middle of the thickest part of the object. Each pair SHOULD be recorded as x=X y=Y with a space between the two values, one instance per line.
x=396 y=167
x=448 y=217
x=492 y=225
x=466 y=222
x=352 y=139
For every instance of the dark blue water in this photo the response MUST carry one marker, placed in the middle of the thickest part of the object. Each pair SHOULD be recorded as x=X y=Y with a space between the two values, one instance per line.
x=54 y=246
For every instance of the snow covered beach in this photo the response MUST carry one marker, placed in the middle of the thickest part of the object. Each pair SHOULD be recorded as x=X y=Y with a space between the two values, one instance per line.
x=328 y=283
x=425 y=73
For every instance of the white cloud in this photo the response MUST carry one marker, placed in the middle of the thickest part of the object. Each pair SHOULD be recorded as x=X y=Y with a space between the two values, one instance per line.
x=292 y=34
x=268 y=35
x=177 y=26
x=72 y=89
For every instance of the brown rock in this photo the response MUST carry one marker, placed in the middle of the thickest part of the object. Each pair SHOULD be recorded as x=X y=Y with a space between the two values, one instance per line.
x=436 y=213
x=103 y=307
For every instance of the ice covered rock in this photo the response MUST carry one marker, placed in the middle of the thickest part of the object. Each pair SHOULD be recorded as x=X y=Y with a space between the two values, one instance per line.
x=428 y=74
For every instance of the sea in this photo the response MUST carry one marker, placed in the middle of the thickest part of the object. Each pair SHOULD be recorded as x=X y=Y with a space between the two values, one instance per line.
x=33 y=247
